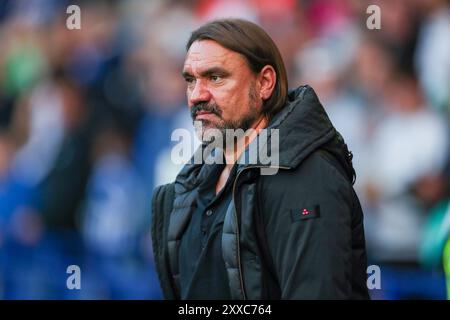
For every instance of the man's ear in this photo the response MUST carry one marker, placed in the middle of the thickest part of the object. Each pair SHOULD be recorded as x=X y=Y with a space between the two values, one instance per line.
x=267 y=79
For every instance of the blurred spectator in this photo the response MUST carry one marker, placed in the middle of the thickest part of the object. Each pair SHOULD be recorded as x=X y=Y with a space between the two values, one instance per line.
x=433 y=52
x=398 y=170
x=86 y=118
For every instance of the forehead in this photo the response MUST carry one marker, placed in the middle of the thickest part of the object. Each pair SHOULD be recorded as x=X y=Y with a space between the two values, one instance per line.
x=205 y=54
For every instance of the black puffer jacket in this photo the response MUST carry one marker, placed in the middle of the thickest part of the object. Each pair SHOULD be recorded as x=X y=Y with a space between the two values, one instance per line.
x=297 y=234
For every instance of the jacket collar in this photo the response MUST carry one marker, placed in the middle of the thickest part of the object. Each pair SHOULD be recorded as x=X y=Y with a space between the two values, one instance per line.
x=302 y=126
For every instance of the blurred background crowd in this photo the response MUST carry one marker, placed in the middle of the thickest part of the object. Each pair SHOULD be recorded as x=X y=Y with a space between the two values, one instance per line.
x=86 y=118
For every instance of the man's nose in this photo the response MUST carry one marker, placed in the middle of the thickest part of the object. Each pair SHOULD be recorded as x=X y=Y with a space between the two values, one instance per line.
x=199 y=93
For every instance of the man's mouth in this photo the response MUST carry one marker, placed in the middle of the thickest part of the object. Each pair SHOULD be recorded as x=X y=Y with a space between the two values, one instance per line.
x=204 y=115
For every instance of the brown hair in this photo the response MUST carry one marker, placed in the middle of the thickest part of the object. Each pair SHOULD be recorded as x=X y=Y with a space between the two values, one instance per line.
x=256 y=46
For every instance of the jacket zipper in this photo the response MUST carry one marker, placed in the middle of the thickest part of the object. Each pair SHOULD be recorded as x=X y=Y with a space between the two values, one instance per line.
x=241 y=278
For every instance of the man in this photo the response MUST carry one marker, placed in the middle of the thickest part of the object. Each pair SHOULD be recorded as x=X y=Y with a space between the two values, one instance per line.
x=229 y=231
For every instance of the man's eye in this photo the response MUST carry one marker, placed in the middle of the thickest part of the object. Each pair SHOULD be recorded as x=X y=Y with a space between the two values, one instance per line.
x=189 y=80
x=216 y=78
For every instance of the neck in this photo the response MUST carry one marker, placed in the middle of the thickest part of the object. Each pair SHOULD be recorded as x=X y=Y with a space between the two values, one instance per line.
x=233 y=152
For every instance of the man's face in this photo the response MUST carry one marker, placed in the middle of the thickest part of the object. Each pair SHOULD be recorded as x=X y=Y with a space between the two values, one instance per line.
x=221 y=88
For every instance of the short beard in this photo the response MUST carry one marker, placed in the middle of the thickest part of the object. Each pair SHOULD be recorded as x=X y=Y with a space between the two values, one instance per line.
x=207 y=135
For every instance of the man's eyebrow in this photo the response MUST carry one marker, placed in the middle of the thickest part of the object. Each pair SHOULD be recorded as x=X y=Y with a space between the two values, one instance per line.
x=214 y=71
x=186 y=74
x=208 y=72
